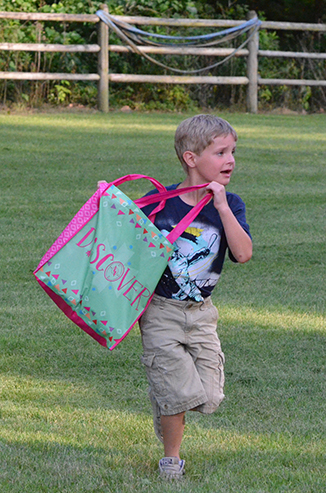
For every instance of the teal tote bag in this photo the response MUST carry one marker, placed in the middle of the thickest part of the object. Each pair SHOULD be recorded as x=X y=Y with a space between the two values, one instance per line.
x=104 y=267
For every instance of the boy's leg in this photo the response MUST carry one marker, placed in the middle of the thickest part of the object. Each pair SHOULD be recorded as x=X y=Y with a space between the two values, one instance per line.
x=172 y=375
x=173 y=428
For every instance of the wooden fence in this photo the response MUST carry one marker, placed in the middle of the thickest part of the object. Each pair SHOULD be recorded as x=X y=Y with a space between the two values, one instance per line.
x=103 y=77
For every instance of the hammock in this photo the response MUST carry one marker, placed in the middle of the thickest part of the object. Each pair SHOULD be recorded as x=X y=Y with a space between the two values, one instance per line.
x=132 y=35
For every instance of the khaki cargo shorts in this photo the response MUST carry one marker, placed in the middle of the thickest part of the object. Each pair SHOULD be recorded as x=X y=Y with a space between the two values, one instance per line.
x=182 y=355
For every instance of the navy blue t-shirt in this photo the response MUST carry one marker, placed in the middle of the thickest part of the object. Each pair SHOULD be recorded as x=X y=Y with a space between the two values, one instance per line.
x=197 y=261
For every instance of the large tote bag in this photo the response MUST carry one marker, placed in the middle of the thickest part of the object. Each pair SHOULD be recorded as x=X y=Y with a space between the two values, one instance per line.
x=104 y=267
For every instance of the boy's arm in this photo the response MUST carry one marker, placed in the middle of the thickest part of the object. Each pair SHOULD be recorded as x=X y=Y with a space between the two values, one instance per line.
x=239 y=242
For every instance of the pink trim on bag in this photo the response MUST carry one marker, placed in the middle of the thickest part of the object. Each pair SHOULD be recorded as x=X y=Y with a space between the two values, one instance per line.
x=71 y=314
x=82 y=217
x=76 y=319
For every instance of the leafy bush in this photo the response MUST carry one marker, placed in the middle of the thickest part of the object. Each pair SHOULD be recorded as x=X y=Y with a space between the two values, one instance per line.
x=151 y=96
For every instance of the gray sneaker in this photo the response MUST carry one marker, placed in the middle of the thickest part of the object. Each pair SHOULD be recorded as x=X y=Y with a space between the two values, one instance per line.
x=171 y=468
x=156 y=417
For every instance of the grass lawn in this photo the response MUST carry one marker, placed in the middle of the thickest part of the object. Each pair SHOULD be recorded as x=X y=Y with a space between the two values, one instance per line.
x=74 y=417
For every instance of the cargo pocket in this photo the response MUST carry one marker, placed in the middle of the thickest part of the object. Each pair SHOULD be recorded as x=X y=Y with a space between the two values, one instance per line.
x=155 y=374
x=221 y=371
x=219 y=380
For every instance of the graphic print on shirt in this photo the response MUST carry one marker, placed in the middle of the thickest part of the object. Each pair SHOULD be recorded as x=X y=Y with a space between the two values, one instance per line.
x=191 y=262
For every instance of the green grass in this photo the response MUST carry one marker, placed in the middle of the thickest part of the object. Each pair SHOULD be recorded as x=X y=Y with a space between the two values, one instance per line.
x=76 y=418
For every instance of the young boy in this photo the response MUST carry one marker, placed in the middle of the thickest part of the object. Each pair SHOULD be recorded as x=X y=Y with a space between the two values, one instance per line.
x=181 y=350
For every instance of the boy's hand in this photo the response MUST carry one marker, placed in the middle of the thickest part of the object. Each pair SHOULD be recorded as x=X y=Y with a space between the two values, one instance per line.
x=100 y=182
x=219 y=194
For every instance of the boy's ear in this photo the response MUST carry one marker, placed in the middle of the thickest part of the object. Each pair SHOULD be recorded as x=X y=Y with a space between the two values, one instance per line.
x=190 y=158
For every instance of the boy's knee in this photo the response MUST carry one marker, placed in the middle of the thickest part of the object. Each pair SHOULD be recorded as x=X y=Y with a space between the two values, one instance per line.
x=211 y=405
x=213 y=382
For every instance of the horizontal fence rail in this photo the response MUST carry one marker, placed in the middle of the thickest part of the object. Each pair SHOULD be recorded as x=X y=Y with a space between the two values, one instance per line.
x=47 y=76
x=102 y=48
x=33 y=16
x=49 y=47
x=178 y=79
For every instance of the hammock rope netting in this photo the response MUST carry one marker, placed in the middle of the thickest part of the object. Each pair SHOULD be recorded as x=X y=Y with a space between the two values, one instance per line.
x=135 y=37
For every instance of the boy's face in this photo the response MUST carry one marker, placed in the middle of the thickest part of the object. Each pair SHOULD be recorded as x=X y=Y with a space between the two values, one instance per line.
x=216 y=162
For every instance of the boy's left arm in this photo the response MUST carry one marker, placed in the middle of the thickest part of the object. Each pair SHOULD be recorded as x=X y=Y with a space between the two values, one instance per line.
x=239 y=242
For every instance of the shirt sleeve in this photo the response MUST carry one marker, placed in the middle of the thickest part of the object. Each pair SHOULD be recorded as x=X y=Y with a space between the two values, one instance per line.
x=238 y=208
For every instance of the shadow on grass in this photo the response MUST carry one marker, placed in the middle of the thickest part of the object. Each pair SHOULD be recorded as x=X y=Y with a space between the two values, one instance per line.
x=46 y=466
x=272 y=373
x=235 y=463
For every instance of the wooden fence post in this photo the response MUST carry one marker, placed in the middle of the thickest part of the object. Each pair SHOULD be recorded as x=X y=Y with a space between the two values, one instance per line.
x=103 y=65
x=252 y=68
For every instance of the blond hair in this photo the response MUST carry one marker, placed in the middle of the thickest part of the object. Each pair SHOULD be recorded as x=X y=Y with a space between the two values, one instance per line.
x=198 y=132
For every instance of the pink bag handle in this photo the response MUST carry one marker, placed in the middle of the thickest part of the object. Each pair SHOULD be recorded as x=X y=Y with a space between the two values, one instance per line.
x=161 y=197
x=136 y=176
x=188 y=218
